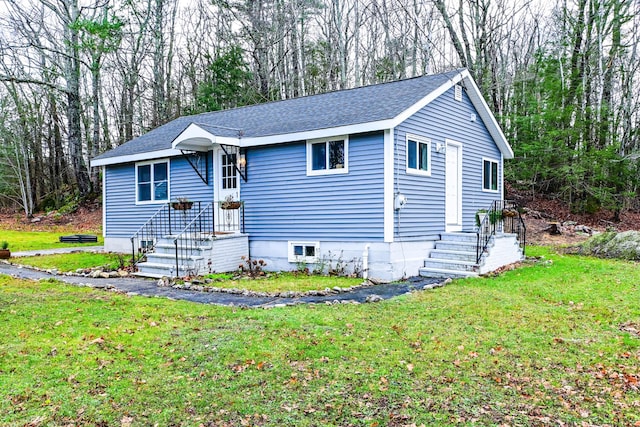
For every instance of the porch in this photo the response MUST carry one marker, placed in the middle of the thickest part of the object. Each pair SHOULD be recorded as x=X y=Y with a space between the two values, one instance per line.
x=191 y=238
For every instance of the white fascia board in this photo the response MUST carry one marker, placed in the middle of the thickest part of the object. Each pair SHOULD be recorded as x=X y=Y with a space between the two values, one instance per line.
x=315 y=134
x=428 y=99
x=150 y=155
x=487 y=117
x=104 y=202
x=388 y=186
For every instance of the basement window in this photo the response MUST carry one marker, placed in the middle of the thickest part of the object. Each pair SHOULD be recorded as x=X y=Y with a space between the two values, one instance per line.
x=307 y=252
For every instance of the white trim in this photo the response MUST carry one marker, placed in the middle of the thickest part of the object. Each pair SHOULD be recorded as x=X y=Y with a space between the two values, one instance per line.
x=458 y=226
x=501 y=174
x=488 y=190
x=153 y=162
x=337 y=171
x=316 y=133
x=291 y=257
x=419 y=140
x=150 y=155
x=104 y=201
x=389 y=162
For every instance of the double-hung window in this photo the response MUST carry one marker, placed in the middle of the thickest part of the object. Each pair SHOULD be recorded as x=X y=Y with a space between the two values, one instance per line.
x=489 y=175
x=152 y=182
x=418 y=155
x=328 y=156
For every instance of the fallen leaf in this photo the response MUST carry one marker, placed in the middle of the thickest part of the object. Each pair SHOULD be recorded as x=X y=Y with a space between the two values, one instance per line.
x=126 y=421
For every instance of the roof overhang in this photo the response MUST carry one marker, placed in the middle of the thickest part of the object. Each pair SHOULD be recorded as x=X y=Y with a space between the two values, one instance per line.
x=463 y=77
x=138 y=157
x=196 y=138
x=203 y=137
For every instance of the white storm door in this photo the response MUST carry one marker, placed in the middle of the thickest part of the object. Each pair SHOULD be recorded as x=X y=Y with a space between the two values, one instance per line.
x=226 y=176
x=227 y=184
x=453 y=187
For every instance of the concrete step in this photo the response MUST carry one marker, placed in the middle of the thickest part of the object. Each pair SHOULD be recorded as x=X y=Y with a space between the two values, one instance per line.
x=157 y=270
x=459 y=237
x=444 y=273
x=171 y=258
x=454 y=265
x=170 y=248
x=453 y=255
x=456 y=246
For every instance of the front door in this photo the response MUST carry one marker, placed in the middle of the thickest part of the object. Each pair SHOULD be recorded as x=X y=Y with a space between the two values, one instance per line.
x=453 y=186
x=227 y=186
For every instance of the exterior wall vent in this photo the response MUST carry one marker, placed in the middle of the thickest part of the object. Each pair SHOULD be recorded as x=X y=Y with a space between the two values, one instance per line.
x=458 y=93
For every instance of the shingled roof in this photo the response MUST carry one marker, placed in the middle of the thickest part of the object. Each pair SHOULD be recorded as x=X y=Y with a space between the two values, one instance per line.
x=339 y=109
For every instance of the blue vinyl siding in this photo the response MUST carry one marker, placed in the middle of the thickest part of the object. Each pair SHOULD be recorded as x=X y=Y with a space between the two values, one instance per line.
x=124 y=217
x=283 y=203
x=444 y=118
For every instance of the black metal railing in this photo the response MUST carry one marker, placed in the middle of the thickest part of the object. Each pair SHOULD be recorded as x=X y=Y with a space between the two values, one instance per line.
x=215 y=218
x=191 y=239
x=145 y=239
x=188 y=224
x=503 y=216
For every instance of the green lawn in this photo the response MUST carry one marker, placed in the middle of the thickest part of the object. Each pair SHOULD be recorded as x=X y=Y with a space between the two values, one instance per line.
x=541 y=345
x=33 y=240
x=287 y=281
x=74 y=261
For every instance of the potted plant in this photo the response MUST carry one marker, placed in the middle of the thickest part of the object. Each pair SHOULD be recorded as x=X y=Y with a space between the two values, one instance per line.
x=480 y=215
x=182 y=204
x=5 y=253
x=229 y=203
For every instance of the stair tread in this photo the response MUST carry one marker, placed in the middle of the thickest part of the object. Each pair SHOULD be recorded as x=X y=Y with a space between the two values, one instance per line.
x=451 y=261
x=448 y=272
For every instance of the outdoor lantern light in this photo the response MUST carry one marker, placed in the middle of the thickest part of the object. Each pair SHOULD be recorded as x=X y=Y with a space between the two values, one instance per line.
x=241 y=164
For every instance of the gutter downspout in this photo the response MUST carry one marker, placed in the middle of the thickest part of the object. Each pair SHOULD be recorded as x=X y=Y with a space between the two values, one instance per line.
x=365 y=262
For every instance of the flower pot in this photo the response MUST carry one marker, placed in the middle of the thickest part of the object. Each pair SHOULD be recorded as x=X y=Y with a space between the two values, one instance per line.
x=230 y=205
x=5 y=254
x=182 y=206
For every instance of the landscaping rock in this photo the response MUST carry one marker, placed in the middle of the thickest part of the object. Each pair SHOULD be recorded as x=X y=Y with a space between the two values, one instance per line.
x=625 y=245
x=96 y=273
x=374 y=298
x=104 y=275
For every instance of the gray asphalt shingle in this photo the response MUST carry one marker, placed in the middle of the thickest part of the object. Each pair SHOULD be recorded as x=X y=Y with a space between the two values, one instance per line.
x=340 y=108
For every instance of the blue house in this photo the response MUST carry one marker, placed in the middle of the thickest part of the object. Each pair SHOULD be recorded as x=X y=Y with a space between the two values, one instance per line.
x=395 y=179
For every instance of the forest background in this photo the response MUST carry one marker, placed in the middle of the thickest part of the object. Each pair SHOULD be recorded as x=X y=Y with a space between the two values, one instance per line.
x=78 y=77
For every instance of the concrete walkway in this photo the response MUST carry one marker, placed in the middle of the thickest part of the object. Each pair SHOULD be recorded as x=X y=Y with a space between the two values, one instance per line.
x=149 y=288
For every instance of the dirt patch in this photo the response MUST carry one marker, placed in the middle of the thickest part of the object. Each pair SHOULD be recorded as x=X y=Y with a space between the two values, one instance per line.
x=542 y=211
x=87 y=219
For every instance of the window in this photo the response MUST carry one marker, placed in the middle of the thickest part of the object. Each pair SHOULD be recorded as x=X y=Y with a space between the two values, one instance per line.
x=152 y=182
x=229 y=175
x=418 y=155
x=304 y=251
x=327 y=156
x=489 y=175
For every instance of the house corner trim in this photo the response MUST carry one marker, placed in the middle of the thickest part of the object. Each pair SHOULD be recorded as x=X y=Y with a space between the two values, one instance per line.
x=389 y=160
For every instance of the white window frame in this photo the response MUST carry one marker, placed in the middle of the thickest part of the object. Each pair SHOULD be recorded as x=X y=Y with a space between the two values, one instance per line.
x=419 y=140
x=489 y=190
x=343 y=170
x=303 y=258
x=152 y=163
